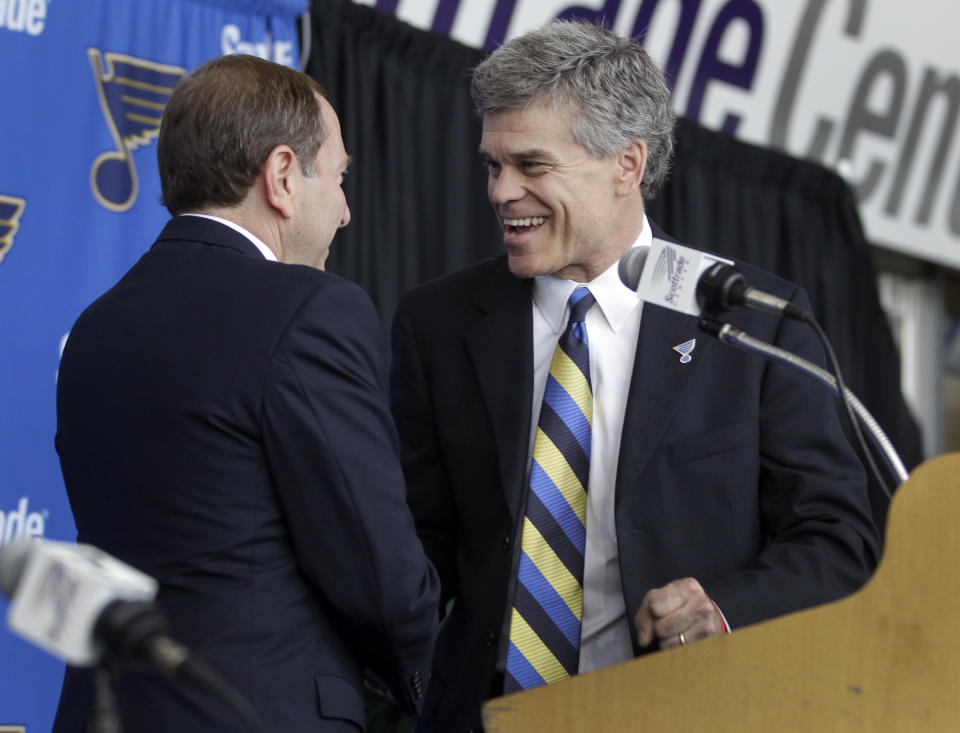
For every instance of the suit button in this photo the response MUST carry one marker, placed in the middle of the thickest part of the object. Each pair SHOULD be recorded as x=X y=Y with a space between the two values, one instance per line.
x=489 y=638
x=506 y=542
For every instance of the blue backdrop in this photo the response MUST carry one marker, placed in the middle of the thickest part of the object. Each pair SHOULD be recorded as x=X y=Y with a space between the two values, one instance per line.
x=79 y=203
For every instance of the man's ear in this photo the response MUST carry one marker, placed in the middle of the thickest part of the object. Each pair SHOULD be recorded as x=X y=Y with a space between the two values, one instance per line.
x=281 y=173
x=632 y=162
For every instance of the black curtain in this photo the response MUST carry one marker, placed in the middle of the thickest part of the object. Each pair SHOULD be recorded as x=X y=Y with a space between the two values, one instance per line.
x=416 y=187
x=417 y=195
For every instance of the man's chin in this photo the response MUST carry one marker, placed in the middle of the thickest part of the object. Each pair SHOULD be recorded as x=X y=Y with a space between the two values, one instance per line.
x=522 y=267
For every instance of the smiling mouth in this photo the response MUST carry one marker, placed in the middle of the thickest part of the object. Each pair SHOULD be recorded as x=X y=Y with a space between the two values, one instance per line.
x=519 y=226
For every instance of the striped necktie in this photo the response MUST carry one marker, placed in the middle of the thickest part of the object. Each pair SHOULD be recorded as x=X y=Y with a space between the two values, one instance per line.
x=548 y=604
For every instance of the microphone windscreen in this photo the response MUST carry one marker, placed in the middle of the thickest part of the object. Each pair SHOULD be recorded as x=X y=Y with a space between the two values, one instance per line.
x=720 y=288
x=631 y=266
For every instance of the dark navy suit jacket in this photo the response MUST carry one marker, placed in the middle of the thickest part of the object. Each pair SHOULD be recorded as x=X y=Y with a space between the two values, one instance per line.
x=732 y=469
x=223 y=426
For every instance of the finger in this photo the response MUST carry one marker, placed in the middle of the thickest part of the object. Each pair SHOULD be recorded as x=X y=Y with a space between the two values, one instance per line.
x=643 y=621
x=669 y=598
x=698 y=618
x=656 y=604
x=676 y=640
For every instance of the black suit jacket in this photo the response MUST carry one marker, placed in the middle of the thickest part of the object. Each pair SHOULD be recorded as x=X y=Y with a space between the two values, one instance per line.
x=223 y=426
x=732 y=469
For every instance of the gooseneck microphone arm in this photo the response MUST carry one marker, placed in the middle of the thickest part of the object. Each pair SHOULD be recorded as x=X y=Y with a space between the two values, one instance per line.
x=728 y=334
x=722 y=287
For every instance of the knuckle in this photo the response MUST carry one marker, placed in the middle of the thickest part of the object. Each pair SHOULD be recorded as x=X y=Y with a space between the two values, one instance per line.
x=691 y=586
x=704 y=608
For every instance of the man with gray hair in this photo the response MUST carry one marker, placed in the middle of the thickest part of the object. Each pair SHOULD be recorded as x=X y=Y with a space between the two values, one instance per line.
x=586 y=493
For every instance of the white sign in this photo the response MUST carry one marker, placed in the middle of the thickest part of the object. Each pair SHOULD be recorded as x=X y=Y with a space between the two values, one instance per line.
x=869 y=88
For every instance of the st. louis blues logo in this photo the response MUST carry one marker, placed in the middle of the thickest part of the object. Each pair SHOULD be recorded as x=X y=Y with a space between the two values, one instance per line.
x=133 y=93
x=11 y=209
x=684 y=350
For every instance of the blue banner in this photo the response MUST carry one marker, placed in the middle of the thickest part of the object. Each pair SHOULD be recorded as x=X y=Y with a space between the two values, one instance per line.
x=86 y=85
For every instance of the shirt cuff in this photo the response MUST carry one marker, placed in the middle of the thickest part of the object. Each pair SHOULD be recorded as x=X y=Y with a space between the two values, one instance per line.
x=723 y=619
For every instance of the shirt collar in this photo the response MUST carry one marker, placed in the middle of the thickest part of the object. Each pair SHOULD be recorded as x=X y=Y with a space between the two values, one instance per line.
x=616 y=300
x=254 y=240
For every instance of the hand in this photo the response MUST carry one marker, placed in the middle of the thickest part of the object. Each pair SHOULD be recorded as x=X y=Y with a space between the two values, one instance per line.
x=678 y=607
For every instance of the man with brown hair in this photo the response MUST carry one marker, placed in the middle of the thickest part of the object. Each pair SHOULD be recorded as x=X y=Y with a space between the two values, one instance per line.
x=223 y=426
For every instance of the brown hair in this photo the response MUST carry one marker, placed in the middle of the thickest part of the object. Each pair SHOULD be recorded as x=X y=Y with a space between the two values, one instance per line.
x=221 y=123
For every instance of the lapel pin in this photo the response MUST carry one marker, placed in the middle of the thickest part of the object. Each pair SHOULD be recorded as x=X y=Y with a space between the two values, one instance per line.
x=684 y=350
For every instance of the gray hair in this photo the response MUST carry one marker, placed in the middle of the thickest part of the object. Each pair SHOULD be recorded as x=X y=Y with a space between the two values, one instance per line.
x=618 y=94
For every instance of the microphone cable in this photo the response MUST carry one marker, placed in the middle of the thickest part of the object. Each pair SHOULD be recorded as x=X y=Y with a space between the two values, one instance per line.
x=842 y=390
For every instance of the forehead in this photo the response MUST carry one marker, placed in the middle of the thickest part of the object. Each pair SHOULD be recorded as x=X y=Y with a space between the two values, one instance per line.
x=536 y=128
x=333 y=142
x=326 y=112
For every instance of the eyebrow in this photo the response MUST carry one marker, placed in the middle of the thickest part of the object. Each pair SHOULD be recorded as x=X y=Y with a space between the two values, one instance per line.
x=539 y=153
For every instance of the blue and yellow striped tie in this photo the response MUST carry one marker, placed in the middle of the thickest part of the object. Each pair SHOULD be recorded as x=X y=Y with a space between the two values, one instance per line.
x=548 y=605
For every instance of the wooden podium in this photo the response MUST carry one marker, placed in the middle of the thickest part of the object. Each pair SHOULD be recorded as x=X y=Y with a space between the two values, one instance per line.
x=884 y=659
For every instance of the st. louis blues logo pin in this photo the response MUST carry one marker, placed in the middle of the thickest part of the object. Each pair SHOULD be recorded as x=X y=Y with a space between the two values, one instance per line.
x=684 y=350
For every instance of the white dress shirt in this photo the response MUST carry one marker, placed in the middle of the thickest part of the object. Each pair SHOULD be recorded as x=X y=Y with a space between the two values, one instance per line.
x=612 y=328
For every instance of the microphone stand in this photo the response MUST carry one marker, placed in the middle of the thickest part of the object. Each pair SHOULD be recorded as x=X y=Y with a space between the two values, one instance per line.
x=728 y=334
x=104 y=710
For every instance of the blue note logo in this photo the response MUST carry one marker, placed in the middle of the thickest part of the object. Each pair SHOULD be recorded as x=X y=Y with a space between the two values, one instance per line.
x=133 y=93
x=11 y=209
x=685 y=349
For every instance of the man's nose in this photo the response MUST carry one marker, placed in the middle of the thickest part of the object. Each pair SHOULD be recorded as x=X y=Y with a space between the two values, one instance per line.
x=505 y=187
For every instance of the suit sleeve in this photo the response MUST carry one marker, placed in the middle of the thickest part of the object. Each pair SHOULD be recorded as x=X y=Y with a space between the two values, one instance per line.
x=820 y=540
x=331 y=446
x=428 y=485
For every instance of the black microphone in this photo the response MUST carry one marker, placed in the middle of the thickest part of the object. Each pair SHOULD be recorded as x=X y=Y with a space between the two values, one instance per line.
x=722 y=287
x=695 y=282
x=78 y=603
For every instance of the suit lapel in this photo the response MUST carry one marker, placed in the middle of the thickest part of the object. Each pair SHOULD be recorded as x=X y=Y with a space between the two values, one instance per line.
x=658 y=386
x=501 y=347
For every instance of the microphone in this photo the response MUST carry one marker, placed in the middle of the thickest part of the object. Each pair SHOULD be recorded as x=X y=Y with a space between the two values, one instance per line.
x=77 y=602
x=695 y=282
x=631 y=266
x=667 y=274
x=722 y=287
